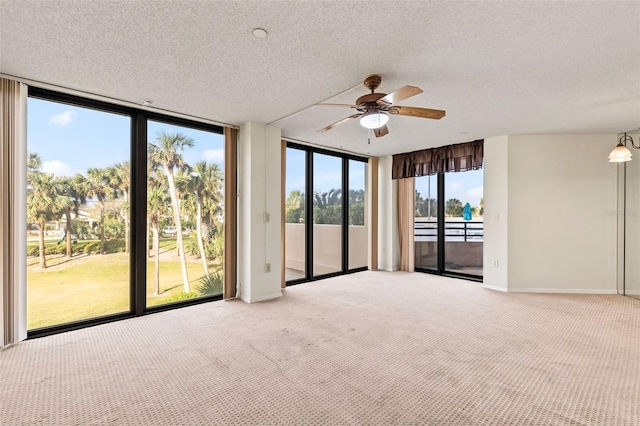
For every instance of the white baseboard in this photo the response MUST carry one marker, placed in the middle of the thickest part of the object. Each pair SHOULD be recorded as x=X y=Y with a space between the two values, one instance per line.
x=564 y=290
x=262 y=298
x=632 y=292
x=495 y=288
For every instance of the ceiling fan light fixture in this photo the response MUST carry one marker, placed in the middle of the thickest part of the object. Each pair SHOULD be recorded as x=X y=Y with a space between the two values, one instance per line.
x=374 y=120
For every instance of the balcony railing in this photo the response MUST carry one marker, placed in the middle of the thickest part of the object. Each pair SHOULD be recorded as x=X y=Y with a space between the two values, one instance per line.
x=454 y=230
x=463 y=241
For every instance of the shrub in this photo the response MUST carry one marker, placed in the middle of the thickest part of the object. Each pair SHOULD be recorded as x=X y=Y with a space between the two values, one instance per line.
x=178 y=297
x=211 y=284
x=92 y=247
x=57 y=249
x=113 y=246
x=33 y=251
x=191 y=246
x=77 y=248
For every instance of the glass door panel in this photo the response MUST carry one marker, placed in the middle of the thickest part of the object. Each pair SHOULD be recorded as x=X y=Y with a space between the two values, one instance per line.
x=426 y=222
x=358 y=226
x=327 y=214
x=295 y=233
x=464 y=226
x=78 y=187
x=185 y=213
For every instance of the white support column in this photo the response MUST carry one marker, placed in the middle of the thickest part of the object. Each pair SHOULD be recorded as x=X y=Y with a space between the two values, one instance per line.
x=388 y=242
x=496 y=219
x=259 y=211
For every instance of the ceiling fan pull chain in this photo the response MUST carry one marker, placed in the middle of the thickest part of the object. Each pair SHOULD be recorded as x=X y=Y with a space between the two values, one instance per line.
x=369 y=138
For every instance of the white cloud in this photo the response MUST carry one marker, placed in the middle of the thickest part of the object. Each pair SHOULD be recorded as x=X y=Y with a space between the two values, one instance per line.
x=213 y=155
x=456 y=186
x=63 y=118
x=473 y=195
x=56 y=167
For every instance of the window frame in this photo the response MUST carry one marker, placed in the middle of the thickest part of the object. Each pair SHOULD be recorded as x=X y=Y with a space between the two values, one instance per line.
x=138 y=202
x=345 y=157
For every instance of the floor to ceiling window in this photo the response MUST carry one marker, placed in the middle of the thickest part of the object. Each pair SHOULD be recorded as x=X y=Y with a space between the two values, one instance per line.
x=327 y=214
x=125 y=211
x=185 y=209
x=358 y=226
x=426 y=223
x=449 y=235
x=295 y=214
x=77 y=213
x=325 y=231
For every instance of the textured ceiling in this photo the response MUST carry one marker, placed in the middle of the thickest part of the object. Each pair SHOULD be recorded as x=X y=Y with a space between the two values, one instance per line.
x=495 y=67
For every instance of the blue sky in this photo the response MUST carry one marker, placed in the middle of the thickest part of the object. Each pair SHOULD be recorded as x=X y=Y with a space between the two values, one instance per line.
x=465 y=186
x=327 y=172
x=71 y=139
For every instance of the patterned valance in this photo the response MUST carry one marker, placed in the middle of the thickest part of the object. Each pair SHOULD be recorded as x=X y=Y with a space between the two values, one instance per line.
x=451 y=158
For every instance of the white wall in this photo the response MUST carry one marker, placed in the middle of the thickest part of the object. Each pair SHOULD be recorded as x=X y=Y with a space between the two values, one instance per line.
x=388 y=242
x=259 y=186
x=561 y=234
x=496 y=217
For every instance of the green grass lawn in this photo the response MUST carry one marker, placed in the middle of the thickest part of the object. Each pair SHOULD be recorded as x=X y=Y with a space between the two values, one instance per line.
x=88 y=286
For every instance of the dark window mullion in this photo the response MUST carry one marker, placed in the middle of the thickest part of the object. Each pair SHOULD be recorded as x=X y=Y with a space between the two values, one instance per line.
x=345 y=215
x=138 y=214
x=308 y=221
x=441 y=225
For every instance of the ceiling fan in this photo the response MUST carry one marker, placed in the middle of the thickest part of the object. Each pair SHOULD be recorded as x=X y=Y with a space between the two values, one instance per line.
x=374 y=108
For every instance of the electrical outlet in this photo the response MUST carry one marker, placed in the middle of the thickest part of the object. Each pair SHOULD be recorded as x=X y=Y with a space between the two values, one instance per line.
x=496 y=264
x=267 y=217
x=267 y=267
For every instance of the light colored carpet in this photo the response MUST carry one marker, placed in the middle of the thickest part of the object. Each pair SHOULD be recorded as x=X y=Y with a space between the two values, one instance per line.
x=374 y=348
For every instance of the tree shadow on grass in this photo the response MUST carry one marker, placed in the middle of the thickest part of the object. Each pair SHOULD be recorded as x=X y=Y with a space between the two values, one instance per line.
x=52 y=260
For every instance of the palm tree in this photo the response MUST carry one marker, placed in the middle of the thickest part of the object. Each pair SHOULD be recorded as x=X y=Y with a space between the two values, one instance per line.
x=120 y=178
x=34 y=163
x=167 y=154
x=156 y=209
x=44 y=203
x=326 y=199
x=99 y=188
x=295 y=207
x=206 y=186
x=75 y=189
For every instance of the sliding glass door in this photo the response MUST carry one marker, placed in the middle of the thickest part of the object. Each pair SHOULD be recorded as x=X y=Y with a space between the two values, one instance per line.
x=449 y=234
x=358 y=222
x=325 y=232
x=327 y=214
x=426 y=223
x=295 y=214
x=464 y=225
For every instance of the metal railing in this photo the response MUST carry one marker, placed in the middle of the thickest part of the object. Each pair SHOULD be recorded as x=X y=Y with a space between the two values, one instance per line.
x=466 y=231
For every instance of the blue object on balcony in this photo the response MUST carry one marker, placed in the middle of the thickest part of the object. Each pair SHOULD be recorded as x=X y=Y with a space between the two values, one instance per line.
x=466 y=212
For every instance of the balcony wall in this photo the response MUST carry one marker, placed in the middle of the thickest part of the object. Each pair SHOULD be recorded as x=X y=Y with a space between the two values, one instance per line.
x=326 y=236
x=460 y=253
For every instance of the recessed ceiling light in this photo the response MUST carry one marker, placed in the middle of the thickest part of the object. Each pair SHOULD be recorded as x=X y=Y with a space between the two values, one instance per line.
x=259 y=33
x=463 y=133
x=147 y=102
